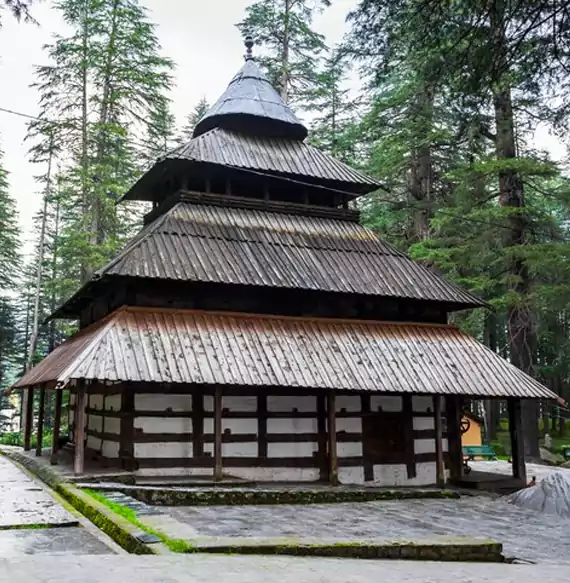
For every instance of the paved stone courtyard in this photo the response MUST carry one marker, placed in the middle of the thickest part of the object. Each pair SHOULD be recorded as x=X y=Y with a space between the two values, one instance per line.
x=24 y=502
x=525 y=534
x=234 y=569
x=50 y=541
x=28 y=514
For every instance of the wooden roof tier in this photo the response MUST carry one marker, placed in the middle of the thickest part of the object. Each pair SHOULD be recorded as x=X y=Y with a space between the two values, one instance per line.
x=276 y=156
x=198 y=240
x=149 y=345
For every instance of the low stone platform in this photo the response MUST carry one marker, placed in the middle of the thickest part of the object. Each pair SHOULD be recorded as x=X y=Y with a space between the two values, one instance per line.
x=436 y=549
x=277 y=494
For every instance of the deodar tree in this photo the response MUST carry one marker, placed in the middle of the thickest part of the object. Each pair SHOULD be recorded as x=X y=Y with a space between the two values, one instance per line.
x=289 y=48
x=457 y=89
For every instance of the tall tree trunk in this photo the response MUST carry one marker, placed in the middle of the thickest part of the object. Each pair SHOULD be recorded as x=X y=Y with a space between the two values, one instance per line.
x=421 y=166
x=97 y=218
x=285 y=51
x=492 y=406
x=86 y=268
x=521 y=329
x=39 y=270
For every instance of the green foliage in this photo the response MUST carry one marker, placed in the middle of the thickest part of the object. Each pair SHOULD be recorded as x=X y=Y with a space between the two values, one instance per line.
x=175 y=545
x=290 y=48
x=9 y=234
x=192 y=120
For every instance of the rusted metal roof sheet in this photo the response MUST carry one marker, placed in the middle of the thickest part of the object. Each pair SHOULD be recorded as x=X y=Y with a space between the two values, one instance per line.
x=202 y=243
x=193 y=347
x=250 y=101
x=220 y=146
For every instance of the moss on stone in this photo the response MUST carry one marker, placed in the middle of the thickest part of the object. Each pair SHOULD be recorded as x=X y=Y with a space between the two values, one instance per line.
x=235 y=497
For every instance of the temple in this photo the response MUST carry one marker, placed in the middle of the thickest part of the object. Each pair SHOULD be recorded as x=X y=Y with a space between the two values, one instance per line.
x=254 y=329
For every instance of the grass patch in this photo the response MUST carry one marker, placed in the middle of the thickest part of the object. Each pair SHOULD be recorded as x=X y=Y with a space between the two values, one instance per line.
x=174 y=545
x=34 y=526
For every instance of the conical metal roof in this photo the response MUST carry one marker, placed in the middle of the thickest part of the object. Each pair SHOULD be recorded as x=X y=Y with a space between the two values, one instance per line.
x=251 y=105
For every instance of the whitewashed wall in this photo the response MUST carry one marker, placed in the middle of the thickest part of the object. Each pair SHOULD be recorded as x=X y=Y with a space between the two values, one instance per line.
x=103 y=424
x=171 y=425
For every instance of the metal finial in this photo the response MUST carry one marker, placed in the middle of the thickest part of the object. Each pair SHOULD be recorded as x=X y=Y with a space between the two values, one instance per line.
x=249 y=42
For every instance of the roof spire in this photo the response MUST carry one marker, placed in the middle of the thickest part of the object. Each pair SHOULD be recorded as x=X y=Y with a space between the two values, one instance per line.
x=249 y=42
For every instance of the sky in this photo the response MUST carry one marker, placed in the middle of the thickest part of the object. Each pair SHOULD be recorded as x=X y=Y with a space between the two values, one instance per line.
x=199 y=35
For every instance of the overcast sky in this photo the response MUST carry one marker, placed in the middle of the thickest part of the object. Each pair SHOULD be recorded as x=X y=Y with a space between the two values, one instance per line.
x=199 y=35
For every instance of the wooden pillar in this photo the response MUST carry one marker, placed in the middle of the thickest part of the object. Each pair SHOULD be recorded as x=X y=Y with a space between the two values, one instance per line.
x=80 y=406
x=262 y=445
x=322 y=437
x=517 y=441
x=408 y=411
x=367 y=464
x=218 y=435
x=440 y=468
x=333 y=461
x=453 y=416
x=40 y=427
x=28 y=418
x=197 y=425
x=127 y=429
x=56 y=426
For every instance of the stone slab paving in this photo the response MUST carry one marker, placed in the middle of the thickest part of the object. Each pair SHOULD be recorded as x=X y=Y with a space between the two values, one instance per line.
x=50 y=541
x=23 y=501
x=234 y=569
x=505 y=468
x=525 y=534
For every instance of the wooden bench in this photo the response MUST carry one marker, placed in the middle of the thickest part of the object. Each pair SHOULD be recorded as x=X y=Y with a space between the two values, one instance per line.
x=470 y=452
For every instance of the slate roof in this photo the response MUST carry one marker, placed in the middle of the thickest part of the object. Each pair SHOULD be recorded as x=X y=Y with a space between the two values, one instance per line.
x=214 y=348
x=251 y=103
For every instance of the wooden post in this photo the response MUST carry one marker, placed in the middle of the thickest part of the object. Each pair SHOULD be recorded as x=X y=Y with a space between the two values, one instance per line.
x=80 y=405
x=322 y=437
x=40 y=427
x=28 y=419
x=56 y=426
x=453 y=416
x=333 y=461
x=127 y=429
x=218 y=435
x=440 y=468
x=517 y=441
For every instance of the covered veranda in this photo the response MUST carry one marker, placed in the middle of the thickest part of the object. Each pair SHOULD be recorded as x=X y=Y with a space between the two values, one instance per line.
x=158 y=348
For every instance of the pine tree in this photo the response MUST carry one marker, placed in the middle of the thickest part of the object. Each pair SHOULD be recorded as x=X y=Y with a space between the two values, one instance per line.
x=468 y=77
x=18 y=8
x=105 y=89
x=8 y=234
x=290 y=48
x=335 y=110
x=192 y=120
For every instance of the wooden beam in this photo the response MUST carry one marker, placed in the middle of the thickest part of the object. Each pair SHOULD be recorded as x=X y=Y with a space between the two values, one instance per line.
x=453 y=417
x=333 y=461
x=367 y=465
x=127 y=435
x=56 y=426
x=517 y=441
x=322 y=437
x=28 y=419
x=80 y=406
x=197 y=425
x=440 y=468
x=262 y=446
x=40 y=426
x=218 y=434
x=408 y=412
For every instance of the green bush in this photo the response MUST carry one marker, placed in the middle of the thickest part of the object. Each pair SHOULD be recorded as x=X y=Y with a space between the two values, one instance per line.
x=11 y=438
